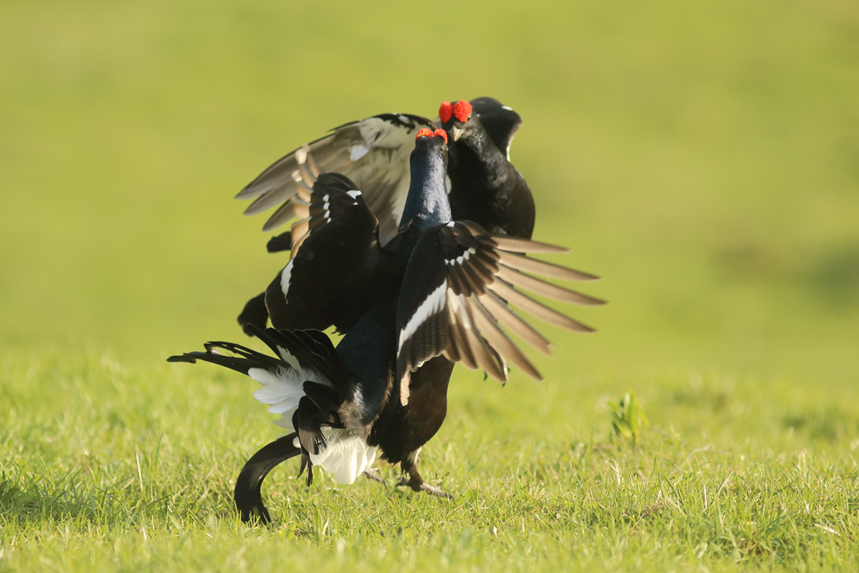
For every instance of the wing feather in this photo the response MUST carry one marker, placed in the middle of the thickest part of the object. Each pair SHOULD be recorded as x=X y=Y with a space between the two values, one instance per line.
x=552 y=270
x=538 y=309
x=514 y=323
x=457 y=294
x=517 y=245
x=497 y=338
x=544 y=288
x=373 y=152
x=339 y=243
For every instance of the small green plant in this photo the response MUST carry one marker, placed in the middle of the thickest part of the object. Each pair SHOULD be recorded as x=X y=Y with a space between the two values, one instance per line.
x=627 y=417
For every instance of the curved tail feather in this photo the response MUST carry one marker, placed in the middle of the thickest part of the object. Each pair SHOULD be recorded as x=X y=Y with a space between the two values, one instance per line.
x=247 y=493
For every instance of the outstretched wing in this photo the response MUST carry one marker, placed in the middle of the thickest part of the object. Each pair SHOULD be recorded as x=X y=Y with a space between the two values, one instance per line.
x=374 y=153
x=457 y=294
x=340 y=245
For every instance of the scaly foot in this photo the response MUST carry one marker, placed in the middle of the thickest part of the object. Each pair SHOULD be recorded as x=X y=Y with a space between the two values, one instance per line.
x=423 y=486
x=371 y=474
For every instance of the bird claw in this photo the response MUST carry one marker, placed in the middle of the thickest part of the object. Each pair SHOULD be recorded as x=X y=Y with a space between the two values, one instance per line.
x=423 y=486
x=369 y=474
x=436 y=491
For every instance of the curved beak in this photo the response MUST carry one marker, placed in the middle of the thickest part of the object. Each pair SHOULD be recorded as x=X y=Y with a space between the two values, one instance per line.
x=457 y=132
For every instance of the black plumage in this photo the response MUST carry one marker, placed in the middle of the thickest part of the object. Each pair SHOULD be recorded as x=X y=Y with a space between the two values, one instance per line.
x=456 y=279
x=373 y=153
x=357 y=393
x=248 y=491
x=254 y=314
x=455 y=296
x=485 y=187
x=501 y=122
x=318 y=389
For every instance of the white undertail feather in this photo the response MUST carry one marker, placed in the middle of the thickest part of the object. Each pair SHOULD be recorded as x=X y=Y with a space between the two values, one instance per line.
x=345 y=455
x=282 y=390
x=288 y=357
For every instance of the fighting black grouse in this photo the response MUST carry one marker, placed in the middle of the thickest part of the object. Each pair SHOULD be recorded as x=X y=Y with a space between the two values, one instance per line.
x=485 y=187
x=456 y=278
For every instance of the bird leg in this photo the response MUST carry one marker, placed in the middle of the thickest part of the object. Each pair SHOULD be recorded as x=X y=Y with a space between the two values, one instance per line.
x=417 y=483
x=374 y=475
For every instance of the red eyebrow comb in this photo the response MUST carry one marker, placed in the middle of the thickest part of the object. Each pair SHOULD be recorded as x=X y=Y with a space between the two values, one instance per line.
x=426 y=132
x=445 y=111
x=462 y=110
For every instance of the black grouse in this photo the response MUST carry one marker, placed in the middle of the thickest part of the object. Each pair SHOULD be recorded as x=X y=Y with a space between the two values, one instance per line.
x=485 y=187
x=330 y=398
x=456 y=280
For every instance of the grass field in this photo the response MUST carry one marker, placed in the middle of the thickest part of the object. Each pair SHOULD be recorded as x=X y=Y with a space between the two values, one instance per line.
x=703 y=158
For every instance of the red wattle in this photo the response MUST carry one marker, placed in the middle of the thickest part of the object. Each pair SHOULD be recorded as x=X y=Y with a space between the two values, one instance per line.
x=442 y=133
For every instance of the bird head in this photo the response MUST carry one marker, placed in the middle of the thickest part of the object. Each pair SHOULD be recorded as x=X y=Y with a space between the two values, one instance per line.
x=427 y=132
x=427 y=203
x=454 y=117
x=429 y=139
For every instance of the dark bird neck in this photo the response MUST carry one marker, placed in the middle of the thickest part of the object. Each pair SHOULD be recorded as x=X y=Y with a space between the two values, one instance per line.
x=477 y=141
x=486 y=188
x=427 y=204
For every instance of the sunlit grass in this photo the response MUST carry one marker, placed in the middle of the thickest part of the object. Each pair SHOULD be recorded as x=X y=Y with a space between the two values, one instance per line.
x=699 y=156
x=106 y=465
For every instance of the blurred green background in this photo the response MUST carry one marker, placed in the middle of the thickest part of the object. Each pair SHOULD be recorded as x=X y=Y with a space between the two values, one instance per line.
x=702 y=157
